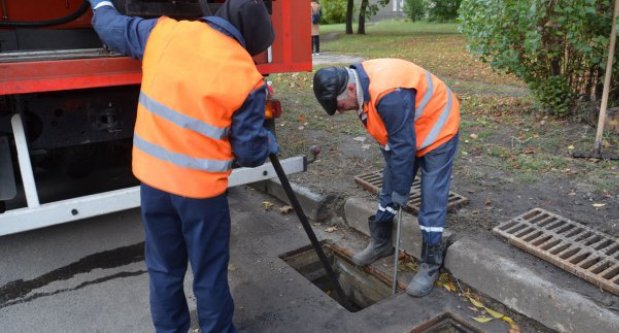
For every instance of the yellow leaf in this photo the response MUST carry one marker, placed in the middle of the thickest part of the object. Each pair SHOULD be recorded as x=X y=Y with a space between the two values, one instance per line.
x=331 y=229
x=493 y=313
x=475 y=302
x=509 y=321
x=267 y=205
x=482 y=319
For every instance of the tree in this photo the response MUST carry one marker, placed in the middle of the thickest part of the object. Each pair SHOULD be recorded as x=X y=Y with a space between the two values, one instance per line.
x=415 y=9
x=443 y=10
x=367 y=10
x=349 y=11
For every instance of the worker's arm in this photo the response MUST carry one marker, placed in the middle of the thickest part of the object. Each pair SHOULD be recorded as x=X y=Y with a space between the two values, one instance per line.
x=397 y=109
x=251 y=142
x=121 y=33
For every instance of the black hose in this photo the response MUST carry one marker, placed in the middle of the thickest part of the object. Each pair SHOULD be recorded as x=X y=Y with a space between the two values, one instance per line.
x=48 y=23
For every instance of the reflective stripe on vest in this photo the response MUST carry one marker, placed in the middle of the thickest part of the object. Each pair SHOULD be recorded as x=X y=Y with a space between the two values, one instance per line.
x=426 y=97
x=182 y=120
x=438 y=126
x=180 y=160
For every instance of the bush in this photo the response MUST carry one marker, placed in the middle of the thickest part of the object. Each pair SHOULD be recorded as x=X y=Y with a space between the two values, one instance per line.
x=333 y=11
x=415 y=9
x=558 y=47
x=443 y=10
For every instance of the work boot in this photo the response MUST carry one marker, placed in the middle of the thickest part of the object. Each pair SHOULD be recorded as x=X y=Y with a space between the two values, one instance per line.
x=380 y=243
x=431 y=262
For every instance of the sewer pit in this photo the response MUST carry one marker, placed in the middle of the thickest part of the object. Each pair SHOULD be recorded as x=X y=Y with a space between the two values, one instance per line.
x=362 y=289
x=445 y=323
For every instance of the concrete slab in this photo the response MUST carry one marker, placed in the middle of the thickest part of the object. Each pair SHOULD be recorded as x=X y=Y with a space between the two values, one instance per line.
x=357 y=211
x=315 y=206
x=505 y=280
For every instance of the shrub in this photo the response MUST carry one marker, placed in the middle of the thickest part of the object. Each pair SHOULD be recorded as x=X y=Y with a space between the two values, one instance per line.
x=443 y=10
x=333 y=11
x=558 y=47
x=415 y=9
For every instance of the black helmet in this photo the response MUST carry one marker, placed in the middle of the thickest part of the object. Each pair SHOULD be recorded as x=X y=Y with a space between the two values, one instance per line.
x=252 y=20
x=329 y=83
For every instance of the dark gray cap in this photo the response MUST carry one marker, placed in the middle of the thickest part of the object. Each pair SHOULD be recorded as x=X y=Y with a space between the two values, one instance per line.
x=329 y=83
x=251 y=18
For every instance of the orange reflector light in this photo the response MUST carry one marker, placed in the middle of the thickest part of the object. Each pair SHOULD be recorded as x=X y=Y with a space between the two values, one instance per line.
x=273 y=109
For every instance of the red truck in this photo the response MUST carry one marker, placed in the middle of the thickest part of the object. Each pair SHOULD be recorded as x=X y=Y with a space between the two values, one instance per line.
x=67 y=106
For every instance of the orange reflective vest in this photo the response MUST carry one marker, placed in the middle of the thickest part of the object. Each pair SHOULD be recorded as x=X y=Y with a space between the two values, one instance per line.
x=437 y=110
x=194 y=79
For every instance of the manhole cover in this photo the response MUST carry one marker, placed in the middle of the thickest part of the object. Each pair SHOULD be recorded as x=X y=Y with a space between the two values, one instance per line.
x=576 y=248
x=372 y=181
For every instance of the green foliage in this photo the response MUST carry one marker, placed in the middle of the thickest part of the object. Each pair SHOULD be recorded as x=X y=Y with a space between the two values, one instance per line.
x=374 y=7
x=333 y=11
x=415 y=9
x=558 y=47
x=443 y=10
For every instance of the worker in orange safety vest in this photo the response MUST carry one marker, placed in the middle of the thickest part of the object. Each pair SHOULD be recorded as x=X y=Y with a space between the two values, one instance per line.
x=414 y=117
x=201 y=107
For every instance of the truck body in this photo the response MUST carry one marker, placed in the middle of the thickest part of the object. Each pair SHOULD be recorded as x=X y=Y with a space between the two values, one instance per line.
x=68 y=106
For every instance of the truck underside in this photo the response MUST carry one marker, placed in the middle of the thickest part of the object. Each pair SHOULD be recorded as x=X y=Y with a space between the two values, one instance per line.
x=67 y=106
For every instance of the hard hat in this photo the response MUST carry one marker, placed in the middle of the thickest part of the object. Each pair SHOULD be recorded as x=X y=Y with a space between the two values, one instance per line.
x=329 y=83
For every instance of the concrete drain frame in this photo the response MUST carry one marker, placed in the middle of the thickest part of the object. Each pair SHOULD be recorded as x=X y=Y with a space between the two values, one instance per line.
x=372 y=182
x=445 y=323
x=574 y=247
x=361 y=288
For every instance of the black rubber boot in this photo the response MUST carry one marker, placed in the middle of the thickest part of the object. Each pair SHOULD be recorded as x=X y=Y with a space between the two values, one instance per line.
x=431 y=262
x=380 y=243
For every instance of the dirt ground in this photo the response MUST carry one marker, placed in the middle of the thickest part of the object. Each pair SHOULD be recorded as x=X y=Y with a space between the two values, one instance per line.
x=509 y=161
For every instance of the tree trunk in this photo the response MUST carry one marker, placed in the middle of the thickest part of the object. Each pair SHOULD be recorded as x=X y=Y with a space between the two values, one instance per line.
x=361 y=24
x=349 y=12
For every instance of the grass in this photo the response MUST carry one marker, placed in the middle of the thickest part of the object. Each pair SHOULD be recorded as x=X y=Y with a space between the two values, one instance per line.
x=500 y=126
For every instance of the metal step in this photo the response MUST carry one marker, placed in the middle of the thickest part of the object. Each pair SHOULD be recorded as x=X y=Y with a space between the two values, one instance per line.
x=572 y=246
x=372 y=182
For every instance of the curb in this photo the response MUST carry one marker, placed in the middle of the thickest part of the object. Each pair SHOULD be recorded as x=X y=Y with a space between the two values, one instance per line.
x=315 y=206
x=502 y=279
x=497 y=275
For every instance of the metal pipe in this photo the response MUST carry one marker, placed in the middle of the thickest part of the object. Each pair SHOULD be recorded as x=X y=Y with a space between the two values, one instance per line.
x=396 y=256
x=308 y=229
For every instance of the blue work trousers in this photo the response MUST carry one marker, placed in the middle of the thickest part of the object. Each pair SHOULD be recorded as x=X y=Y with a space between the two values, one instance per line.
x=179 y=230
x=436 y=167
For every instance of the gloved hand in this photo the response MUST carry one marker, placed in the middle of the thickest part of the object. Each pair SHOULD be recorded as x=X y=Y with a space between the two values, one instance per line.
x=273 y=146
x=386 y=214
x=95 y=3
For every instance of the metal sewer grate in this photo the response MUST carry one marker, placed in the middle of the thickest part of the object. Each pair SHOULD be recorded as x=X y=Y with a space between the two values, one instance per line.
x=574 y=247
x=372 y=182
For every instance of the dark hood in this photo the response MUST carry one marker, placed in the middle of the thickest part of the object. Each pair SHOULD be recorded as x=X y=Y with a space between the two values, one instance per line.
x=252 y=20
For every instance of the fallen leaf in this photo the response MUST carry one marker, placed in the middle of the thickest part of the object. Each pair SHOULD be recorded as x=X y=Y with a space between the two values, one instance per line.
x=482 y=319
x=598 y=205
x=231 y=268
x=331 y=229
x=359 y=138
x=514 y=329
x=267 y=205
x=570 y=147
x=493 y=313
x=475 y=302
x=473 y=136
x=302 y=118
x=285 y=209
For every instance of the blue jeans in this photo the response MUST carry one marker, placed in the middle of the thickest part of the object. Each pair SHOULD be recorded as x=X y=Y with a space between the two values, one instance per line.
x=178 y=230
x=436 y=167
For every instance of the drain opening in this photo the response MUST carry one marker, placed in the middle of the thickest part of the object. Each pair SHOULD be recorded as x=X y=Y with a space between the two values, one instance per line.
x=445 y=323
x=362 y=289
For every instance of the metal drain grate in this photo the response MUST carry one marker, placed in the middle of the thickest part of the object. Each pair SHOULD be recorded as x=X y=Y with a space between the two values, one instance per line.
x=576 y=248
x=372 y=182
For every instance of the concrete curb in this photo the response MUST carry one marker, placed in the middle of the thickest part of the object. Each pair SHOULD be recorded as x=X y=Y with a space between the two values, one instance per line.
x=501 y=278
x=504 y=280
x=315 y=206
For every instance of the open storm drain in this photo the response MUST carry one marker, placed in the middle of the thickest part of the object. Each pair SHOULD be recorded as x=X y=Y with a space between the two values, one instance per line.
x=372 y=182
x=445 y=323
x=576 y=248
x=361 y=288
